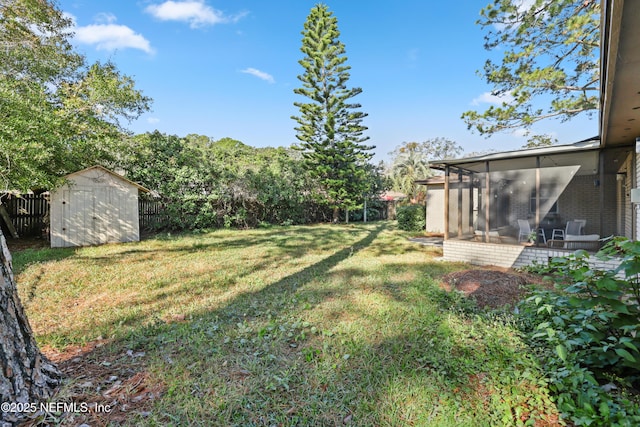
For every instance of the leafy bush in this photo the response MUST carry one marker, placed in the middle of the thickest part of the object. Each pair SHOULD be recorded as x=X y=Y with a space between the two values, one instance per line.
x=411 y=218
x=374 y=212
x=587 y=333
x=214 y=184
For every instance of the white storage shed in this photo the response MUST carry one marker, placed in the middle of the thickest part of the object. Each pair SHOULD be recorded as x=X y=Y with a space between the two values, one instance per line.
x=94 y=207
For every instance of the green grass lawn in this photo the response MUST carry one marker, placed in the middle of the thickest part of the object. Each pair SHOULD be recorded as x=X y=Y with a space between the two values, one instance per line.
x=307 y=326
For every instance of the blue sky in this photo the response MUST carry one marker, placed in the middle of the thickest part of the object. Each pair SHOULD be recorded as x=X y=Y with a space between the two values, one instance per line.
x=228 y=68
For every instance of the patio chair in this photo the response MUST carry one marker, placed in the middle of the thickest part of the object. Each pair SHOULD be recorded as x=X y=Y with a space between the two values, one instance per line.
x=573 y=227
x=604 y=240
x=525 y=231
x=583 y=224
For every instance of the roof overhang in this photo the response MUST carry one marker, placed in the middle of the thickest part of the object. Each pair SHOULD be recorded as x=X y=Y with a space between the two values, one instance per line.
x=620 y=73
x=584 y=153
x=439 y=180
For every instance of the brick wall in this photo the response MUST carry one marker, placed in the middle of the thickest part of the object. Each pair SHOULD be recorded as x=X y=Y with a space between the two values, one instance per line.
x=580 y=200
x=507 y=256
x=637 y=180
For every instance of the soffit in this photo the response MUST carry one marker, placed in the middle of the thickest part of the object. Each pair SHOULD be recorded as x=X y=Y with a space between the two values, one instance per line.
x=620 y=97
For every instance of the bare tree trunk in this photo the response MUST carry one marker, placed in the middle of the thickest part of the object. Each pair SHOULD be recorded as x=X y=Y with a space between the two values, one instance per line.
x=336 y=215
x=27 y=376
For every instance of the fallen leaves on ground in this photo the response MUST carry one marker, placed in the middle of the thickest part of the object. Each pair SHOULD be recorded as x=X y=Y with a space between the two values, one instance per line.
x=115 y=387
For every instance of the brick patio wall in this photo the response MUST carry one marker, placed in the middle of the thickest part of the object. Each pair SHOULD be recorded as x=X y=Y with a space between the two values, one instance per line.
x=508 y=256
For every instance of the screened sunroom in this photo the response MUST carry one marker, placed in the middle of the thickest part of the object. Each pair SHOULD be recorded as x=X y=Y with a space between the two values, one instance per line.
x=562 y=197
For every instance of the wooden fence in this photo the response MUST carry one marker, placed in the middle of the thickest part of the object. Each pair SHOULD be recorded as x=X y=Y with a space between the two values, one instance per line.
x=29 y=214
x=151 y=214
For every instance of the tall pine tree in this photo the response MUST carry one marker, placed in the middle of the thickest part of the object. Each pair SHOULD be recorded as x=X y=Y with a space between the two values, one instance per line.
x=330 y=126
x=550 y=63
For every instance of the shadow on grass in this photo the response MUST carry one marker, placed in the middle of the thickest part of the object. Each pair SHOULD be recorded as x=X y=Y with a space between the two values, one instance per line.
x=189 y=283
x=27 y=257
x=436 y=368
x=251 y=361
x=297 y=392
x=294 y=242
x=292 y=283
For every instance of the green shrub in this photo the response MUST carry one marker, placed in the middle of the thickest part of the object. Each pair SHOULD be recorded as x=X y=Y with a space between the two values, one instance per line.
x=587 y=333
x=411 y=218
x=207 y=184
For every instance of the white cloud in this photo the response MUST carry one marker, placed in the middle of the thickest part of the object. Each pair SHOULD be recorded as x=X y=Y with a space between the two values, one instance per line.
x=522 y=6
x=107 y=35
x=196 y=12
x=489 y=98
x=105 y=18
x=70 y=17
x=521 y=133
x=153 y=120
x=259 y=74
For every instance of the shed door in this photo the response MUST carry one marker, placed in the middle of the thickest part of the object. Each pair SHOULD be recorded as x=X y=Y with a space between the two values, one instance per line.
x=83 y=223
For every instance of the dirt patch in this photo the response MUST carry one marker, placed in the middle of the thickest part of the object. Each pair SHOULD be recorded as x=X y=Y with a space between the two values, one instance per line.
x=493 y=288
x=114 y=387
x=21 y=244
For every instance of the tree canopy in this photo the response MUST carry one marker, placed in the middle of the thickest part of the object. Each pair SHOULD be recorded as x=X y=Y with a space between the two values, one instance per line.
x=549 y=66
x=410 y=162
x=58 y=112
x=204 y=183
x=330 y=125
